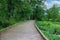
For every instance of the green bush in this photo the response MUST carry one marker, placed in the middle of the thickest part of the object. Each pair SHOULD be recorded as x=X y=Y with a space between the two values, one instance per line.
x=51 y=36
x=50 y=29
x=4 y=23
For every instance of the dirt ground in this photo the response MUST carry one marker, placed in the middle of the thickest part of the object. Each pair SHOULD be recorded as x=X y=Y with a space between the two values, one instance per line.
x=24 y=31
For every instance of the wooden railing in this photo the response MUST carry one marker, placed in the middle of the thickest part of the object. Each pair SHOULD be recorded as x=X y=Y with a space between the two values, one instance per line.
x=41 y=33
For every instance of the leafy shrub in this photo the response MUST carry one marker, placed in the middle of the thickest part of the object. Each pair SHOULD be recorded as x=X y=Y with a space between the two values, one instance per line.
x=51 y=36
x=50 y=29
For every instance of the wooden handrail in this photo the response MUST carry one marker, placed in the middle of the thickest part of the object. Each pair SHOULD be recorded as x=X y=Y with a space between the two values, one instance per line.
x=41 y=32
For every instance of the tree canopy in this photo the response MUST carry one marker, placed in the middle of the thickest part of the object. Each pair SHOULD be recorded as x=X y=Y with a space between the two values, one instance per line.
x=12 y=11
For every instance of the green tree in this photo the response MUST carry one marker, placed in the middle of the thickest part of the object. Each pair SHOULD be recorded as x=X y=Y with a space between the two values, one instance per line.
x=53 y=13
x=38 y=9
x=12 y=11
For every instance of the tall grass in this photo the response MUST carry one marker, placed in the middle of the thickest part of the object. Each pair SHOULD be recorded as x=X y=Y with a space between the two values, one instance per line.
x=50 y=29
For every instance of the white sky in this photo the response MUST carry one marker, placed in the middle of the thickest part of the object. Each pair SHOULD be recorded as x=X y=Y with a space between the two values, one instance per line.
x=50 y=3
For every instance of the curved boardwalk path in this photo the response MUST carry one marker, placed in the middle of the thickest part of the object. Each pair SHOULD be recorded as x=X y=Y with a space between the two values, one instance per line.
x=24 y=31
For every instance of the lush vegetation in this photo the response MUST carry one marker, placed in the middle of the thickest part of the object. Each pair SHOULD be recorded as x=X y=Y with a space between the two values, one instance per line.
x=50 y=29
x=13 y=11
x=50 y=25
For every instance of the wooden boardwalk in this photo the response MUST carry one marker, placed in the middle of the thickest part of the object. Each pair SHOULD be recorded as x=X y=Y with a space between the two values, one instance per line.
x=24 y=31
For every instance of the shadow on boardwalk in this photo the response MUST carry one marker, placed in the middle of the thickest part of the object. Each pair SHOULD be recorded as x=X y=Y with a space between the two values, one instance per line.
x=24 y=31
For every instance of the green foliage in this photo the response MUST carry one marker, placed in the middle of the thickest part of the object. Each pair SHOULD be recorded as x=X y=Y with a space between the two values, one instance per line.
x=50 y=29
x=51 y=36
x=53 y=13
x=39 y=13
x=12 y=11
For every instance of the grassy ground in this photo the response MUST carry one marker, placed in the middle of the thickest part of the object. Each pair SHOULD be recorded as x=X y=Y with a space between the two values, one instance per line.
x=50 y=29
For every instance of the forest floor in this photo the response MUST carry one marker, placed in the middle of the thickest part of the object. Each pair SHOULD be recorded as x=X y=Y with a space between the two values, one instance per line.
x=24 y=31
